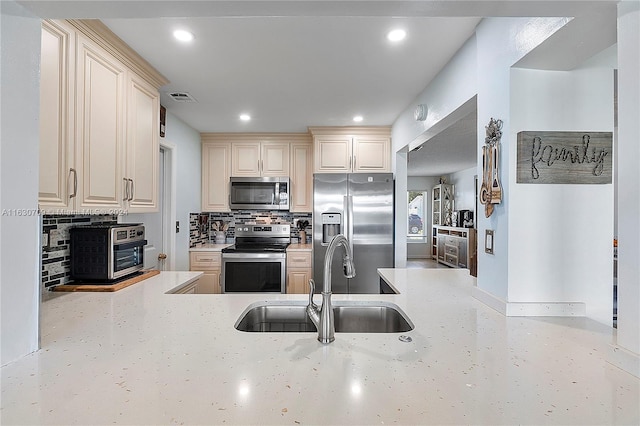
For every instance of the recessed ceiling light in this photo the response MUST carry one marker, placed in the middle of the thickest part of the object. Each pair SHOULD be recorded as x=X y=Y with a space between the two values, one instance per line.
x=245 y=117
x=396 y=35
x=183 y=35
x=358 y=118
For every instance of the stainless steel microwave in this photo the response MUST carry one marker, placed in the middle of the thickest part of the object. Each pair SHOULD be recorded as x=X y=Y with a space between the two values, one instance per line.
x=259 y=193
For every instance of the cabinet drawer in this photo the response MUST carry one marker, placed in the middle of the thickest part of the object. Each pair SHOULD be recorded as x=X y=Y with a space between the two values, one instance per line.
x=206 y=260
x=451 y=250
x=451 y=259
x=299 y=259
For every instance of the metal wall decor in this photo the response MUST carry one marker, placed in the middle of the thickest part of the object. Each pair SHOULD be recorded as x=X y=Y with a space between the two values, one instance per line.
x=491 y=189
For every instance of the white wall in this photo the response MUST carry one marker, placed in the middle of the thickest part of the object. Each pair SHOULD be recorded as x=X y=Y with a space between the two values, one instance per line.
x=188 y=181
x=500 y=45
x=561 y=236
x=465 y=195
x=629 y=179
x=19 y=248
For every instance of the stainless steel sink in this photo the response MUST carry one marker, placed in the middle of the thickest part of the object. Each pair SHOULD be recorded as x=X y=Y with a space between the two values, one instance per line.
x=350 y=317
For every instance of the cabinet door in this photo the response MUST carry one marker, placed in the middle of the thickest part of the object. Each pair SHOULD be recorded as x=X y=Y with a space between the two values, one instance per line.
x=209 y=283
x=57 y=175
x=274 y=159
x=246 y=159
x=100 y=124
x=332 y=154
x=298 y=281
x=216 y=169
x=301 y=199
x=371 y=154
x=143 y=124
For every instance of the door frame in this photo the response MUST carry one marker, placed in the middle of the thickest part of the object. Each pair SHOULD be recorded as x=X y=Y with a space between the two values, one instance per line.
x=168 y=209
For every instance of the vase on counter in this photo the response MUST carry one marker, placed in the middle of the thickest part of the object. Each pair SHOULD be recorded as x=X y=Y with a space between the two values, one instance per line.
x=221 y=237
x=303 y=237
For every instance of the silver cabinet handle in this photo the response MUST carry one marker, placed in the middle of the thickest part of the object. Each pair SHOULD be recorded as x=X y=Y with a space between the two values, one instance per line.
x=75 y=182
x=132 y=190
x=126 y=189
x=353 y=167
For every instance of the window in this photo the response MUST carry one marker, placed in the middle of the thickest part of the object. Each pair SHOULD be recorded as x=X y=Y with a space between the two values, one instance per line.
x=417 y=213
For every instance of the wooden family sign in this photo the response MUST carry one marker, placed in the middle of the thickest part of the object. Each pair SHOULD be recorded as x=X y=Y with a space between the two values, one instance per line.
x=565 y=157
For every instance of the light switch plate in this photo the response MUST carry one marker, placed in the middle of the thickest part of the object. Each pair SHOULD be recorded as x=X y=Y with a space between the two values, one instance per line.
x=488 y=241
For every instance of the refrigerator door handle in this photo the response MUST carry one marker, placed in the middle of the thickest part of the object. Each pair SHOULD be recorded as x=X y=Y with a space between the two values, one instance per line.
x=350 y=220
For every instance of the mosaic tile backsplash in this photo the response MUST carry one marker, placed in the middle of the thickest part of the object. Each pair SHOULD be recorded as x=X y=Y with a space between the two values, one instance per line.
x=56 y=259
x=201 y=231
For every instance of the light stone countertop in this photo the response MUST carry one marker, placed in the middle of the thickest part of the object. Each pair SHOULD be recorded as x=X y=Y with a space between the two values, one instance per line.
x=300 y=247
x=211 y=247
x=141 y=356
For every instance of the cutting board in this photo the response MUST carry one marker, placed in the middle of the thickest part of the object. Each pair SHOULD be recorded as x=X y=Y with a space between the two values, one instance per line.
x=115 y=286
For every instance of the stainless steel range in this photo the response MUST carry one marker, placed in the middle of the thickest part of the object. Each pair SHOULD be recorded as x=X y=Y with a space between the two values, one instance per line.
x=257 y=261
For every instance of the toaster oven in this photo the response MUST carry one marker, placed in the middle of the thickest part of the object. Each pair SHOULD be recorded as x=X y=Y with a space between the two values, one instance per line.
x=106 y=252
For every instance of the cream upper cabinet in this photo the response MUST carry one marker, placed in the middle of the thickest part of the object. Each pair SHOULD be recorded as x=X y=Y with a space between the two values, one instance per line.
x=371 y=154
x=260 y=158
x=143 y=146
x=332 y=154
x=100 y=128
x=301 y=197
x=351 y=149
x=57 y=90
x=216 y=170
x=99 y=144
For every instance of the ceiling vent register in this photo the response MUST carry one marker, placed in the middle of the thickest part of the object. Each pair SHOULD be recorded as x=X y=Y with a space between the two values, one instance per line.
x=182 y=97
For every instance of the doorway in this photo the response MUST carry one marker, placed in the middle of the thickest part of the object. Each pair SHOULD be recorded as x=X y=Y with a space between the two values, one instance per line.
x=160 y=249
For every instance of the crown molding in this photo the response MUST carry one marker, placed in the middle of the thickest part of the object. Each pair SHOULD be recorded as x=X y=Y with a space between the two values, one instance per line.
x=99 y=33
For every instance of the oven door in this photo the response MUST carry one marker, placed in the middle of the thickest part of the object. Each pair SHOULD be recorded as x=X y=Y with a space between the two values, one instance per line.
x=253 y=272
x=127 y=258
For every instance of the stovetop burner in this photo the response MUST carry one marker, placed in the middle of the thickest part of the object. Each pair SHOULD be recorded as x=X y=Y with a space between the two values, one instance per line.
x=243 y=248
x=261 y=239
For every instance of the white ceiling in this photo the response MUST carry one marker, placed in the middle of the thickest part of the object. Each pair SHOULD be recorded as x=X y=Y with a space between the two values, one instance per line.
x=293 y=64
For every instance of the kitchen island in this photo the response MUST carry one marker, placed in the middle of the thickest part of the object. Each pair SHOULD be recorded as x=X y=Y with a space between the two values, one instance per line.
x=142 y=356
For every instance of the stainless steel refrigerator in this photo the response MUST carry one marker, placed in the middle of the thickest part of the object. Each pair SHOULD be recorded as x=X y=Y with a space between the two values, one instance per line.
x=360 y=206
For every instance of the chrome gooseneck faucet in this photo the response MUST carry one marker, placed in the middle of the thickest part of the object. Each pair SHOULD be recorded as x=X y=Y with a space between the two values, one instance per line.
x=322 y=317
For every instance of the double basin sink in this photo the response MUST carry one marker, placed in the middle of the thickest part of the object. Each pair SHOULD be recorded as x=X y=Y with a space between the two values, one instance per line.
x=349 y=317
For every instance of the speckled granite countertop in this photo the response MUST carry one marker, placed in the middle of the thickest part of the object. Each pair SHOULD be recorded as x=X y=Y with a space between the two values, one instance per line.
x=210 y=247
x=140 y=356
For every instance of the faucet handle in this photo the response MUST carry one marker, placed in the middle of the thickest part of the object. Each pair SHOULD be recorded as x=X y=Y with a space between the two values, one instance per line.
x=312 y=289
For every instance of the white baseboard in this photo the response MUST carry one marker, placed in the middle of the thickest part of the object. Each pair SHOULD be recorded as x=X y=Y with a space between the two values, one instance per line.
x=530 y=309
x=625 y=360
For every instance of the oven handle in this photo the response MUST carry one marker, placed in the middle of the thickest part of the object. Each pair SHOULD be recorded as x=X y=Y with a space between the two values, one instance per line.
x=126 y=246
x=248 y=257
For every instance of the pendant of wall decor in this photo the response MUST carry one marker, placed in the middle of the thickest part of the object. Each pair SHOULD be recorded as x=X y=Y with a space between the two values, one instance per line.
x=491 y=189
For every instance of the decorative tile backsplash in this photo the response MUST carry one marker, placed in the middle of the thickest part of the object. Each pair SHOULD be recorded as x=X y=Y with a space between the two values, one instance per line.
x=201 y=232
x=56 y=259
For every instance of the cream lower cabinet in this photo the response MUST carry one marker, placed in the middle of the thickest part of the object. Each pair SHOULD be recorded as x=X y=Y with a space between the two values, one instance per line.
x=210 y=264
x=299 y=271
x=190 y=288
x=351 y=149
